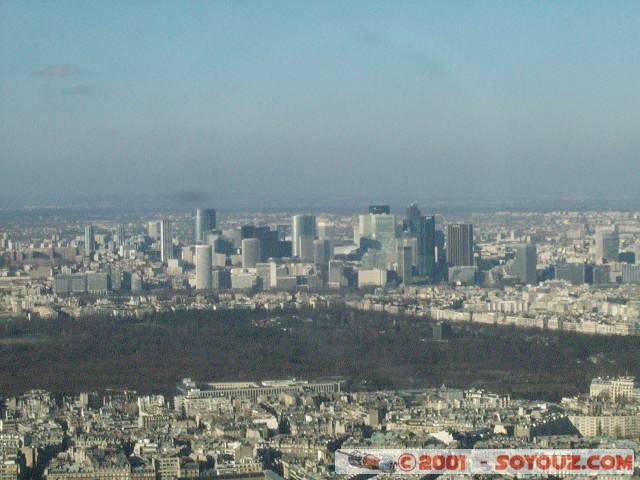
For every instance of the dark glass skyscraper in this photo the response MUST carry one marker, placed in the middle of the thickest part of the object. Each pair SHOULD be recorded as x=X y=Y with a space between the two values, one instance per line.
x=89 y=239
x=269 y=244
x=205 y=222
x=460 y=245
x=120 y=235
x=424 y=228
x=525 y=263
x=413 y=213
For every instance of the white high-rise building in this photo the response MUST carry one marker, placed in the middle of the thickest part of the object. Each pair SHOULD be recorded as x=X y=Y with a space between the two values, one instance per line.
x=381 y=227
x=365 y=227
x=166 y=241
x=203 y=267
x=250 y=252
x=153 y=229
x=326 y=231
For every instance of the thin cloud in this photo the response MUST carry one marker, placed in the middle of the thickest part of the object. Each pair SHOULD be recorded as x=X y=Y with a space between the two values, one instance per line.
x=424 y=61
x=371 y=38
x=188 y=196
x=77 y=90
x=60 y=70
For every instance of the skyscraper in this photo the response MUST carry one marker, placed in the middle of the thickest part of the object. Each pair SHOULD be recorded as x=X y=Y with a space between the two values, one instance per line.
x=427 y=246
x=153 y=229
x=460 y=245
x=205 y=222
x=404 y=264
x=379 y=228
x=89 y=239
x=326 y=231
x=413 y=214
x=250 y=252
x=120 y=235
x=269 y=244
x=166 y=241
x=525 y=263
x=424 y=228
x=203 y=267
x=303 y=233
x=321 y=254
x=364 y=227
x=607 y=245
x=383 y=230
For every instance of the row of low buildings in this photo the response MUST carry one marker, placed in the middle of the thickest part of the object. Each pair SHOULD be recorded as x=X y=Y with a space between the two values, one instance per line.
x=288 y=429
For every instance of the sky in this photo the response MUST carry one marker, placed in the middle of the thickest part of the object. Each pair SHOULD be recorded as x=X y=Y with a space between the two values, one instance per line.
x=267 y=102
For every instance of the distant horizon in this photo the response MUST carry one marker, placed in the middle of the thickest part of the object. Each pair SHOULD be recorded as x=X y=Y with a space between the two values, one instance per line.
x=178 y=202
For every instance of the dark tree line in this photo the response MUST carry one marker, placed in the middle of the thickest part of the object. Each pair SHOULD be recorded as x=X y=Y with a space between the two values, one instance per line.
x=372 y=351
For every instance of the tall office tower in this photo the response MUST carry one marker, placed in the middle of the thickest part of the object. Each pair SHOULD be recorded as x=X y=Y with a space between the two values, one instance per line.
x=404 y=264
x=234 y=235
x=607 y=245
x=153 y=229
x=120 y=235
x=89 y=238
x=460 y=245
x=409 y=240
x=383 y=230
x=305 y=248
x=413 y=216
x=526 y=262
x=365 y=228
x=321 y=254
x=379 y=229
x=205 y=222
x=424 y=228
x=284 y=230
x=380 y=209
x=303 y=233
x=326 y=231
x=427 y=246
x=269 y=244
x=203 y=267
x=250 y=252
x=441 y=253
x=166 y=241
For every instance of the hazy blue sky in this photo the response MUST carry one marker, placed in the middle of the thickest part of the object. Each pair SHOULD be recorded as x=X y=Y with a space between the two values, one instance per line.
x=302 y=99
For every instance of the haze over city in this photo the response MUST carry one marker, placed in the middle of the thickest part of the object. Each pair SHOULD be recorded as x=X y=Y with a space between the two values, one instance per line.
x=319 y=240
x=317 y=103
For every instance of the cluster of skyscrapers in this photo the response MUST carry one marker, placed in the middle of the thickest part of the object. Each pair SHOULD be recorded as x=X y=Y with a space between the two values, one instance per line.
x=383 y=250
x=410 y=251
